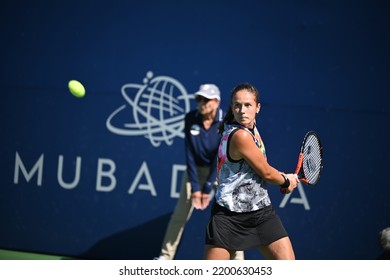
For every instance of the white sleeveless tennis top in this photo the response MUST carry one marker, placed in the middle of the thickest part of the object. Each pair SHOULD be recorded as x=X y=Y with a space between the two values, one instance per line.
x=240 y=189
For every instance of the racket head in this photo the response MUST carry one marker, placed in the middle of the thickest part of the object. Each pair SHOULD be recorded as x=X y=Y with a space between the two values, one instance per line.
x=310 y=162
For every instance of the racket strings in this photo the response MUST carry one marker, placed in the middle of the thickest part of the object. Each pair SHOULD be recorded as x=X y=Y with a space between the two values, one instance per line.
x=312 y=163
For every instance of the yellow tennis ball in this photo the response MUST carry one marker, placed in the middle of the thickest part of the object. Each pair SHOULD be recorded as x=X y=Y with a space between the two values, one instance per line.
x=76 y=88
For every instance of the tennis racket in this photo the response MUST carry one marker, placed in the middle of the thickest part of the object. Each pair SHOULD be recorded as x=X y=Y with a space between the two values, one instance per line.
x=310 y=160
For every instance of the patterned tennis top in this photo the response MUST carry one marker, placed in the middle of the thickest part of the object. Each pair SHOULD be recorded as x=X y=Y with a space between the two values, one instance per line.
x=240 y=188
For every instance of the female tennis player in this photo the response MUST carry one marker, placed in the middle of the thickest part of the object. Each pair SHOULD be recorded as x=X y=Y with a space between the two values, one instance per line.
x=242 y=216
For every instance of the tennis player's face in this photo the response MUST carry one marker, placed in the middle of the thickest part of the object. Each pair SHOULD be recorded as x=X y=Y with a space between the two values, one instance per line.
x=244 y=108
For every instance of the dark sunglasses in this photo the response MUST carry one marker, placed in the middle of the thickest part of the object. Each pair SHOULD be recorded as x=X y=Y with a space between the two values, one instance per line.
x=201 y=99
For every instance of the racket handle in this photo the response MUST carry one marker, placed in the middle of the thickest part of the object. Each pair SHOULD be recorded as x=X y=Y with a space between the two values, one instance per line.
x=283 y=190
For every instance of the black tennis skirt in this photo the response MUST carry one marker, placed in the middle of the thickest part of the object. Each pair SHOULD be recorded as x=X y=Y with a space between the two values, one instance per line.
x=241 y=231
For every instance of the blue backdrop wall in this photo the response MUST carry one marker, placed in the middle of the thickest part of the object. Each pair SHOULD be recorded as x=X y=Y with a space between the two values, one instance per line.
x=98 y=177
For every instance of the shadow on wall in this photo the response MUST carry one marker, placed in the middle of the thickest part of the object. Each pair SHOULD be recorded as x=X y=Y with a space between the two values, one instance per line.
x=139 y=243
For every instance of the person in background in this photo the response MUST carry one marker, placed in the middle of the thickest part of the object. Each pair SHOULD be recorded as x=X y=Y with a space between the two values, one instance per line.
x=201 y=145
x=242 y=216
x=384 y=243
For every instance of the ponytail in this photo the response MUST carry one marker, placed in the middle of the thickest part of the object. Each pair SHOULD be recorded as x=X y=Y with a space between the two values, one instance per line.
x=228 y=118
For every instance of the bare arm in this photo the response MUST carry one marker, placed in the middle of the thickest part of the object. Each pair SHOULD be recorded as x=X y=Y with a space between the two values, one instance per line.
x=242 y=146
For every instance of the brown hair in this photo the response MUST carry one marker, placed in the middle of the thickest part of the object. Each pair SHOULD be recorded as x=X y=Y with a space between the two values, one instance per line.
x=229 y=117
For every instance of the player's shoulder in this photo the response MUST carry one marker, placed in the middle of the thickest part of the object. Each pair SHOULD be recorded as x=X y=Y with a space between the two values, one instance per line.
x=241 y=135
x=241 y=132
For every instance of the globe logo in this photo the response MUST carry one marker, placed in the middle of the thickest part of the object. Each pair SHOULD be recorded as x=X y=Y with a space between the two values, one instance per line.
x=154 y=109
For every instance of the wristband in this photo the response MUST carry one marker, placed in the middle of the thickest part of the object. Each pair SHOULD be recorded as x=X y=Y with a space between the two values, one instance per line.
x=286 y=183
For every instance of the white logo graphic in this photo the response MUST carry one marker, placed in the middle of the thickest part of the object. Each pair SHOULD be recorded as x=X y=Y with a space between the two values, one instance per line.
x=154 y=109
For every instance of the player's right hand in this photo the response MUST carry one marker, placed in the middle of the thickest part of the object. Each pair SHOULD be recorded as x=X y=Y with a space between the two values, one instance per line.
x=293 y=182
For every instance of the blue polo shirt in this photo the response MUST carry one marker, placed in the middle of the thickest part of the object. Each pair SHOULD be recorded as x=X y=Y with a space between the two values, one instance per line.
x=201 y=147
